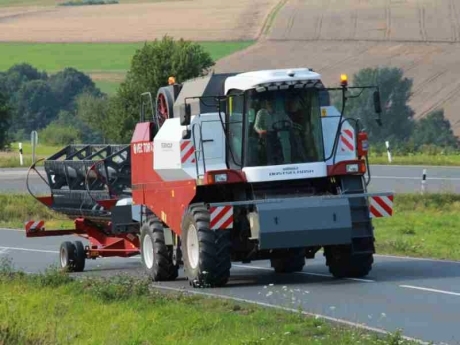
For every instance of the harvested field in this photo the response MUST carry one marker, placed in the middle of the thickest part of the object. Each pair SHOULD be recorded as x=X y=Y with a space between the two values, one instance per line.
x=335 y=37
x=381 y=20
x=198 y=20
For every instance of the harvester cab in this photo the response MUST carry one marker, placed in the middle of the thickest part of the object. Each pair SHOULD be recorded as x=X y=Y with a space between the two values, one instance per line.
x=234 y=168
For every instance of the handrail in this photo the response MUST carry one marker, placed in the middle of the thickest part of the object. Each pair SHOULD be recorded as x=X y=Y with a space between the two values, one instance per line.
x=200 y=150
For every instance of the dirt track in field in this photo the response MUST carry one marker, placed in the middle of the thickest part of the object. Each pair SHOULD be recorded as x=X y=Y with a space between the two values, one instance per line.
x=343 y=36
x=192 y=20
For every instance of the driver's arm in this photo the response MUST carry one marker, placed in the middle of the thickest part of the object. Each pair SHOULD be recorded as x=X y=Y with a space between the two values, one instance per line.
x=260 y=124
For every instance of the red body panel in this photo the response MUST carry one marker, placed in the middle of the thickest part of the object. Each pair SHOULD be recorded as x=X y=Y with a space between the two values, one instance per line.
x=340 y=168
x=123 y=245
x=166 y=199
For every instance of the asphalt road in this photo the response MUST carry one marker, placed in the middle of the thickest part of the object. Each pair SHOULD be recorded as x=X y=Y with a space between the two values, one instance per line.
x=403 y=179
x=420 y=296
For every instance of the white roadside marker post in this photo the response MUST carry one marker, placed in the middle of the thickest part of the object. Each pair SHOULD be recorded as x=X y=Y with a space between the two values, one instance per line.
x=423 y=181
x=21 y=159
x=388 y=151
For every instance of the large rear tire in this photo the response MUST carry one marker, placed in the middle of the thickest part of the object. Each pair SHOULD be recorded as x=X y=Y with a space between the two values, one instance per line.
x=155 y=254
x=291 y=261
x=343 y=263
x=206 y=253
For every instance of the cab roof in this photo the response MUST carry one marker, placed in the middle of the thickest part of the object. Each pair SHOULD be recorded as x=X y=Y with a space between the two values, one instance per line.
x=250 y=80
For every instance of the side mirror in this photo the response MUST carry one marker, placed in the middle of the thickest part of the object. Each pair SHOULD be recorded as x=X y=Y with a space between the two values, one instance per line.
x=186 y=134
x=377 y=106
x=185 y=114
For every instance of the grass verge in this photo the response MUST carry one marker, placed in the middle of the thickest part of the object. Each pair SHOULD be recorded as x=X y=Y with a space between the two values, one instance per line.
x=10 y=159
x=421 y=226
x=51 y=308
x=16 y=209
x=418 y=159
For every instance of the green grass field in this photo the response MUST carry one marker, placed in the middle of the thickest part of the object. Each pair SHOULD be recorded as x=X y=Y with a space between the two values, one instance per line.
x=51 y=308
x=108 y=62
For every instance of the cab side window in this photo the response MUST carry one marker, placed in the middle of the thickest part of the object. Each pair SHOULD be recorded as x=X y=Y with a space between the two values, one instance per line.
x=235 y=107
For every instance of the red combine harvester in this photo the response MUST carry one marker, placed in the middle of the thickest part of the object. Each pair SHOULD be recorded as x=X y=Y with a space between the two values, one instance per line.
x=229 y=168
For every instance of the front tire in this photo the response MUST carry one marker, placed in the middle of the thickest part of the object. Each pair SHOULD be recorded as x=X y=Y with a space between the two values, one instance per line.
x=155 y=254
x=343 y=263
x=206 y=253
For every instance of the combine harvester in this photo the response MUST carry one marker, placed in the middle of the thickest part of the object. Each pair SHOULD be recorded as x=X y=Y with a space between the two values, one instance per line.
x=209 y=180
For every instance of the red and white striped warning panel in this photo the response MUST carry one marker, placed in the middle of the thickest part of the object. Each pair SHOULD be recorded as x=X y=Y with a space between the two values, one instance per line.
x=221 y=217
x=187 y=151
x=34 y=225
x=347 y=141
x=381 y=206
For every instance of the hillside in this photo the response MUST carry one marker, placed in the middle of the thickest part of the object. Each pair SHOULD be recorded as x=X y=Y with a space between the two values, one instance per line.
x=343 y=36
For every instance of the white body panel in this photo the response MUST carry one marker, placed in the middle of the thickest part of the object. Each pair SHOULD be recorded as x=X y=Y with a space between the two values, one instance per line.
x=285 y=172
x=175 y=158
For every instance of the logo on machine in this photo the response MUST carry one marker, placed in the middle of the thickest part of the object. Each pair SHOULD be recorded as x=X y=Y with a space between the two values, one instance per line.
x=291 y=171
x=166 y=146
x=144 y=147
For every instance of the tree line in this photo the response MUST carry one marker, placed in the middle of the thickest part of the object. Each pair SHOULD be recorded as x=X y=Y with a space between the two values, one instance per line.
x=67 y=107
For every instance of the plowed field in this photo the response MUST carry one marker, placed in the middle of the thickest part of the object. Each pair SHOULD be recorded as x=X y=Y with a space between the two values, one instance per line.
x=200 y=20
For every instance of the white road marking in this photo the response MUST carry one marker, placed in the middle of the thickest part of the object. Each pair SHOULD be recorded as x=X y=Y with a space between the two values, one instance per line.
x=3 y=251
x=430 y=290
x=319 y=316
x=31 y=250
x=8 y=229
x=304 y=273
x=416 y=178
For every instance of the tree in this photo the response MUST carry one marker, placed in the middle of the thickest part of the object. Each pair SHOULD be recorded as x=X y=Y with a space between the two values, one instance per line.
x=68 y=84
x=94 y=112
x=397 y=116
x=5 y=118
x=36 y=106
x=12 y=80
x=435 y=130
x=150 y=68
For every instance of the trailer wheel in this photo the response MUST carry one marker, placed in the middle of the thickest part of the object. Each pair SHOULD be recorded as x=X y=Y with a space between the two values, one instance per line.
x=67 y=256
x=342 y=263
x=80 y=256
x=206 y=253
x=292 y=261
x=155 y=254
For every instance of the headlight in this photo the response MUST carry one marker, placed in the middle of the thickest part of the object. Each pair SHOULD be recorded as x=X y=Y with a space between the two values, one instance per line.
x=220 y=178
x=352 y=168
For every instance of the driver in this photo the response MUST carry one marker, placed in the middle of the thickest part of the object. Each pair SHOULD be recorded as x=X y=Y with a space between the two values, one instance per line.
x=265 y=119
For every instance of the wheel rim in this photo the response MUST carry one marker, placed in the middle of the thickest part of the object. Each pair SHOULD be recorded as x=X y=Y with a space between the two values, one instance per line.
x=147 y=251
x=192 y=246
x=63 y=257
